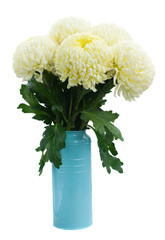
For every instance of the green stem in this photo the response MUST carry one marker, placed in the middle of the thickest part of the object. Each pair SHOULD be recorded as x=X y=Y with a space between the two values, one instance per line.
x=75 y=115
x=64 y=117
x=80 y=96
x=70 y=107
x=70 y=112
x=79 y=99
x=83 y=124
x=90 y=127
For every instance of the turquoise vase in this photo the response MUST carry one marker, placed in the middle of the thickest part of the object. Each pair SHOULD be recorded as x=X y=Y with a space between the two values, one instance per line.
x=72 y=185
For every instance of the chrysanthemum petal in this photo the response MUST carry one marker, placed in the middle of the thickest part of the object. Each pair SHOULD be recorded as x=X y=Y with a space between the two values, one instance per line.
x=84 y=59
x=66 y=27
x=34 y=55
x=111 y=33
x=135 y=69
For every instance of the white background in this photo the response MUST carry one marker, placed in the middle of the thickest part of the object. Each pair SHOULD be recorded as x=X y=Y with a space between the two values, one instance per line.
x=130 y=206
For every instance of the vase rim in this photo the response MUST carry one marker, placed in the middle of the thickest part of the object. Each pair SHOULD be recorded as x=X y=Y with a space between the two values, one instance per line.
x=78 y=131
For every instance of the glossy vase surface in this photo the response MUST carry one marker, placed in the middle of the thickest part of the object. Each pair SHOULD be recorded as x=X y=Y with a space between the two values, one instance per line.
x=72 y=185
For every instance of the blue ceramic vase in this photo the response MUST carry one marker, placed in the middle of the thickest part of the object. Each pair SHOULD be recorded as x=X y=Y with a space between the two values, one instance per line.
x=72 y=186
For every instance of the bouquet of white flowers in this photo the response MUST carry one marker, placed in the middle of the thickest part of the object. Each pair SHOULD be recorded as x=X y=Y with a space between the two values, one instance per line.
x=69 y=72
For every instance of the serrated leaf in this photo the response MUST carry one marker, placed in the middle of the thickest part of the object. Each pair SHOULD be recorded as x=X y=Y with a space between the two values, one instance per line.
x=110 y=138
x=33 y=109
x=57 y=107
x=102 y=119
x=52 y=142
x=39 y=111
x=43 y=117
x=55 y=136
x=92 y=98
x=108 y=160
x=54 y=90
x=112 y=149
x=101 y=103
x=42 y=92
x=50 y=93
x=38 y=149
x=43 y=160
x=28 y=95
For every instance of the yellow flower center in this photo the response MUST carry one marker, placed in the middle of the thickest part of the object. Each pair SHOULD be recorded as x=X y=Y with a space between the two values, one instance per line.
x=84 y=39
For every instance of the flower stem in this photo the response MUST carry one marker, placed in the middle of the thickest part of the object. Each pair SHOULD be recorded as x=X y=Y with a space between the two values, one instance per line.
x=79 y=97
x=70 y=106
x=64 y=117
x=70 y=112
x=83 y=124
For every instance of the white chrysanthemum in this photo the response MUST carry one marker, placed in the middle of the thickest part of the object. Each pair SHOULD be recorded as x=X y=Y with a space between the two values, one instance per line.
x=68 y=26
x=83 y=59
x=135 y=71
x=33 y=56
x=111 y=33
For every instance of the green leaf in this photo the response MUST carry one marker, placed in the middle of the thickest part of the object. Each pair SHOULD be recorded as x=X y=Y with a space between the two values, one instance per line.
x=51 y=94
x=40 y=112
x=112 y=149
x=110 y=138
x=38 y=149
x=101 y=103
x=108 y=160
x=42 y=92
x=57 y=107
x=103 y=89
x=92 y=99
x=57 y=88
x=38 y=109
x=52 y=142
x=43 y=160
x=28 y=95
x=25 y=108
x=102 y=119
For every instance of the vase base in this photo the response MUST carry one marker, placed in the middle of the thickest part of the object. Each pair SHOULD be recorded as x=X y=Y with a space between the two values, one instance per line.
x=73 y=228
